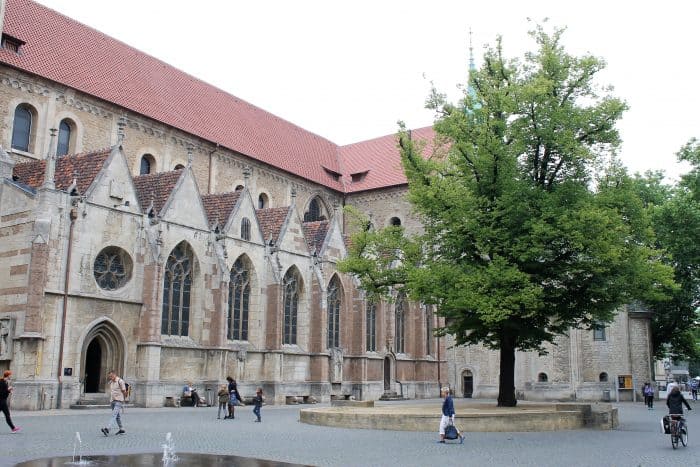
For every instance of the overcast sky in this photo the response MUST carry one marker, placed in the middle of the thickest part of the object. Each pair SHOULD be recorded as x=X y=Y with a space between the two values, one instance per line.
x=349 y=70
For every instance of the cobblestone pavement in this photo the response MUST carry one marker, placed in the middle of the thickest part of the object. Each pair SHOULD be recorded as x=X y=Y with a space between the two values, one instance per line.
x=637 y=442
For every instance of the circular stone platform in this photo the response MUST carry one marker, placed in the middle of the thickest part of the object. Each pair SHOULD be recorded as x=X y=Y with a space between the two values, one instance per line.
x=474 y=416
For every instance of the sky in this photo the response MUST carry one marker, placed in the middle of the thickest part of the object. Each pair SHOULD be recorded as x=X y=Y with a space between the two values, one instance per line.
x=350 y=70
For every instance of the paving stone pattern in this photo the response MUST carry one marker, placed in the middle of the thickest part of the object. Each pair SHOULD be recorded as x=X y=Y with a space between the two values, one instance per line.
x=637 y=442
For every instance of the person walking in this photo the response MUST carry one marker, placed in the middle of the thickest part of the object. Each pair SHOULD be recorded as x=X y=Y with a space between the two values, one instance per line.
x=448 y=415
x=234 y=397
x=258 y=401
x=223 y=401
x=648 y=391
x=117 y=395
x=5 y=393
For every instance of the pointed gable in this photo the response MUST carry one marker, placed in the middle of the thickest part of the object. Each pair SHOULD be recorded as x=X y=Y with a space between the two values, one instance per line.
x=83 y=168
x=315 y=233
x=219 y=206
x=271 y=221
x=157 y=188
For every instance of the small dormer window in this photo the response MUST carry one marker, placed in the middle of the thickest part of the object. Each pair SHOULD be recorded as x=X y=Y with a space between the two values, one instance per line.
x=11 y=43
x=358 y=177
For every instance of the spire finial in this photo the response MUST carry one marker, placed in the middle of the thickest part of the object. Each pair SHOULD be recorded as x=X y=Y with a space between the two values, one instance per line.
x=50 y=173
x=246 y=175
x=471 y=51
x=121 y=124
x=190 y=150
x=294 y=195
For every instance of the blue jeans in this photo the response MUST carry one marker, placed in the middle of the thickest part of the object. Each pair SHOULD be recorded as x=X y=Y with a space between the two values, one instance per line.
x=116 y=415
x=256 y=411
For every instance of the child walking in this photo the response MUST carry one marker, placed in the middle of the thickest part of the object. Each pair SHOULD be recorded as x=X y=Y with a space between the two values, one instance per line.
x=258 y=402
x=223 y=401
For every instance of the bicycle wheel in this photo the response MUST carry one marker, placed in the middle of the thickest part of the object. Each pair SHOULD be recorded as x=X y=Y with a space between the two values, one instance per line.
x=684 y=435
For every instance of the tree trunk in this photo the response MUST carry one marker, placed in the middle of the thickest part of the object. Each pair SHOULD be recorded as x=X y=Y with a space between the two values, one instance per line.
x=506 y=378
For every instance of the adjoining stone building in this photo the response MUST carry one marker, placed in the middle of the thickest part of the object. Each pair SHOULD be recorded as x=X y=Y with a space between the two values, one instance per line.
x=153 y=224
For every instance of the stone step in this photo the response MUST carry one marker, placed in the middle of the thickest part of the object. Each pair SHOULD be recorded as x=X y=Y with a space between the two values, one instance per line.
x=84 y=406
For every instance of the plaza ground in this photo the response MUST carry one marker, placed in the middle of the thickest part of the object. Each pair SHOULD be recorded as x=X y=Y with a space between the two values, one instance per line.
x=637 y=441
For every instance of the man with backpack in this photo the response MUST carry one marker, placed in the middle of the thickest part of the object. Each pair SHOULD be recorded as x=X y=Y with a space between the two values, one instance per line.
x=117 y=396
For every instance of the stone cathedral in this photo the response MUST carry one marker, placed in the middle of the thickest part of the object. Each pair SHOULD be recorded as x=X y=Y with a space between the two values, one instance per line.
x=153 y=224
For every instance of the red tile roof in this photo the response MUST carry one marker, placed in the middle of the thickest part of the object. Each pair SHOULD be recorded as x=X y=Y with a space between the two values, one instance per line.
x=315 y=233
x=219 y=206
x=379 y=160
x=83 y=168
x=70 y=53
x=271 y=221
x=157 y=188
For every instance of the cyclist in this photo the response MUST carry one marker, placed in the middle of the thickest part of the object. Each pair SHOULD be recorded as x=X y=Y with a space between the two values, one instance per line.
x=675 y=401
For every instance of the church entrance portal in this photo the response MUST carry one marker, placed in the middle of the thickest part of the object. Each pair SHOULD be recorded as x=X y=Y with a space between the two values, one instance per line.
x=103 y=350
x=387 y=374
x=467 y=383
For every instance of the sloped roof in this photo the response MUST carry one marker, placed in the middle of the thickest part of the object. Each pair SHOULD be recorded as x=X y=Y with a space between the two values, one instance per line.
x=271 y=221
x=65 y=51
x=315 y=233
x=376 y=163
x=83 y=168
x=219 y=206
x=156 y=187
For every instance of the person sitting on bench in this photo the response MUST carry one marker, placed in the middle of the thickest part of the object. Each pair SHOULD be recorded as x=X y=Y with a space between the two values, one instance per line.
x=191 y=392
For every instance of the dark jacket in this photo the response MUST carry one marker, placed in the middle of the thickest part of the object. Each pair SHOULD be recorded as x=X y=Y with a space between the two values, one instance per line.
x=233 y=390
x=4 y=390
x=448 y=407
x=258 y=400
x=675 y=402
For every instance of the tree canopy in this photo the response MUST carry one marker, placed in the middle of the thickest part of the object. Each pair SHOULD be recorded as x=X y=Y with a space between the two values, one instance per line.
x=529 y=229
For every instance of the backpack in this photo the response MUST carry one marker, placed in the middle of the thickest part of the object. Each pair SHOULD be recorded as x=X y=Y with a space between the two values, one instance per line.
x=127 y=387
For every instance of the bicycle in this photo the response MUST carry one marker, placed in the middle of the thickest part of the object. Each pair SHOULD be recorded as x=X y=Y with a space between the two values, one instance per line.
x=679 y=430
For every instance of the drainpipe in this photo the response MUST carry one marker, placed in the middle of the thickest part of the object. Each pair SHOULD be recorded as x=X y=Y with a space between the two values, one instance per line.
x=66 y=282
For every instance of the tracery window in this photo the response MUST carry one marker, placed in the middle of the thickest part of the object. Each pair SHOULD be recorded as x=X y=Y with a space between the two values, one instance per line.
x=177 y=287
x=334 y=299
x=314 y=213
x=371 y=326
x=245 y=228
x=22 y=128
x=238 y=301
x=112 y=268
x=291 y=288
x=399 y=322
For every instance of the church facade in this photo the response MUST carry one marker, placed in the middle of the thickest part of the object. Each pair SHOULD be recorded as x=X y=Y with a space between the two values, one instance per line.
x=157 y=226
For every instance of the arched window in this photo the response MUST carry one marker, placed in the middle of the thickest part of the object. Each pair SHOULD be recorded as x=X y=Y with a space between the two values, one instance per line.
x=291 y=306
x=238 y=301
x=179 y=167
x=603 y=377
x=334 y=299
x=22 y=128
x=371 y=326
x=245 y=228
x=177 y=285
x=395 y=221
x=400 y=324
x=263 y=201
x=65 y=129
x=428 y=330
x=239 y=188
x=315 y=213
x=147 y=164
x=542 y=378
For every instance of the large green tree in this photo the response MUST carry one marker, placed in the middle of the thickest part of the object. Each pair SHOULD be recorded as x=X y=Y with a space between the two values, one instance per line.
x=522 y=240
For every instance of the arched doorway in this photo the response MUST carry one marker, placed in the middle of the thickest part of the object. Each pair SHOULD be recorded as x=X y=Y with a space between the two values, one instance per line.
x=387 y=373
x=467 y=383
x=103 y=350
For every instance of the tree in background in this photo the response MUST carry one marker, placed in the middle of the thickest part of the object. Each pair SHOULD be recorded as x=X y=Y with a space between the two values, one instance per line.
x=522 y=241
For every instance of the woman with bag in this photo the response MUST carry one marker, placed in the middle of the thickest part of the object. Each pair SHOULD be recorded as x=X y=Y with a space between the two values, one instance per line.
x=448 y=430
x=234 y=397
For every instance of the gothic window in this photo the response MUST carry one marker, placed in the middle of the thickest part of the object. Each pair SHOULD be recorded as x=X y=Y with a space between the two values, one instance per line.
x=599 y=332
x=371 y=328
x=263 y=201
x=395 y=221
x=334 y=294
x=542 y=378
x=245 y=228
x=112 y=268
x=315 y=212
x=400 y=324
x=179 y=167
x=65 y=130
x=238 y=301
x=22 y=128
x=292 y=290
x=177 y=286
x=147 y=163
x=428 y=330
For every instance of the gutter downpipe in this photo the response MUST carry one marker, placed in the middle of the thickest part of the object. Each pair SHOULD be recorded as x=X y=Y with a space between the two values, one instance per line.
x=66 y=282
